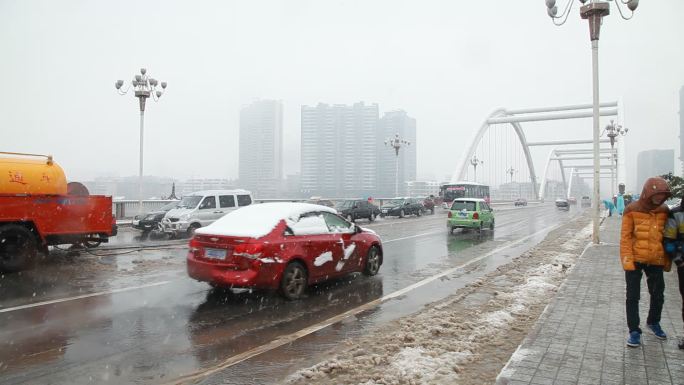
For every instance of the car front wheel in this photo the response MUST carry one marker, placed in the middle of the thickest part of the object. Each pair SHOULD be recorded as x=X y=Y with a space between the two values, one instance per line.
x=294 y=281
x=401 y=213
x=372 y=217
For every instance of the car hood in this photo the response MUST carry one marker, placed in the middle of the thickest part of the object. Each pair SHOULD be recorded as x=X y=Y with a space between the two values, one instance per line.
x=177 y=213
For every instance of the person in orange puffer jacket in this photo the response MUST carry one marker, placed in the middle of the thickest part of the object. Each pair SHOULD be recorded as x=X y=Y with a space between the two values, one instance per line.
x=641 y=249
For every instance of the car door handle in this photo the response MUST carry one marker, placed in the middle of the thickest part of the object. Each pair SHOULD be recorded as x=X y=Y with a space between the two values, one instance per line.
x=218 y=212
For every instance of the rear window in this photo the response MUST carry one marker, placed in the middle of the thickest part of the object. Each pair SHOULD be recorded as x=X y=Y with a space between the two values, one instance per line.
x=244 y=200
x=227 y=200
x=460 y=205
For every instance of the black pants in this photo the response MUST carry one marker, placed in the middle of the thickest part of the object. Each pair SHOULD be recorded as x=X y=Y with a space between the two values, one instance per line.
x=680 y=275
x=656 y=288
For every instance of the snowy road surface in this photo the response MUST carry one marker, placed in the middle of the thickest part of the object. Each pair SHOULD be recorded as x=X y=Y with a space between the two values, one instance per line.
x=112 y=317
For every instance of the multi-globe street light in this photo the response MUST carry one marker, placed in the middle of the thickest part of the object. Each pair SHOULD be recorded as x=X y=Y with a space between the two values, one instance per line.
x=475 y=161
x=396 y=143
x=144 y=87
x=613 y=131
x=593 y=12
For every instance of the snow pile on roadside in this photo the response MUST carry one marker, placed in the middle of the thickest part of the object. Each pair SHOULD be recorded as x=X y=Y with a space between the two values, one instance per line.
x=481 y=324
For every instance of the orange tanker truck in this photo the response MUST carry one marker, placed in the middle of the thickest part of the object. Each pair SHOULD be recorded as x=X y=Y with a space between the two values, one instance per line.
x=38 y=208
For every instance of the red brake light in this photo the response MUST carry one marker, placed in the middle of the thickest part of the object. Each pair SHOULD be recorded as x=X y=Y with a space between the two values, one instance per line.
x=249 y=250
x=476 y=216
x=449 y=214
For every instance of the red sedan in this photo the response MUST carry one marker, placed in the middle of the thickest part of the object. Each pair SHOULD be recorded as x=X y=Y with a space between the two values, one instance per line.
x=285 y=246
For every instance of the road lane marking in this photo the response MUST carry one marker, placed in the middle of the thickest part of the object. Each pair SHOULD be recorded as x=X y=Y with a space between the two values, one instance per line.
x=289 y=338
x=115 y=291
x=36 y=304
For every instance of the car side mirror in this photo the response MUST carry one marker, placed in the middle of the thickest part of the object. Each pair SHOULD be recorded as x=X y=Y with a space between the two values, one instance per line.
x=357 y=229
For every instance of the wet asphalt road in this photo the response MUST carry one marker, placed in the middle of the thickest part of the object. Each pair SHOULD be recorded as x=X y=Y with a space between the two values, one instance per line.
x=137 y=318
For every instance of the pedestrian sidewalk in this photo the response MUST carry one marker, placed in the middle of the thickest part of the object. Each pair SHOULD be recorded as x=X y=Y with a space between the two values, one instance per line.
x=580 y=337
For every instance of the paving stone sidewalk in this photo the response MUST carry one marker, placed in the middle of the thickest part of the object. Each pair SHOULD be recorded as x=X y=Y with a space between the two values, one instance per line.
x=580 y=338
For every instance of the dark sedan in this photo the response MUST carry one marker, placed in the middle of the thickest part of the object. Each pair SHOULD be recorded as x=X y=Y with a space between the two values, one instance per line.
x=151 y=221
x=401 y=207
x=356 y=209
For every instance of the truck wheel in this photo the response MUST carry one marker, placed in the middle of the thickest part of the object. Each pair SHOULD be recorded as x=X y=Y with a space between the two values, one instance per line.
x=18 y=247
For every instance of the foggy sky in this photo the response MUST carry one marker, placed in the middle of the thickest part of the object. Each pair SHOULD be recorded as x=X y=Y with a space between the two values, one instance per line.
x=447 y=63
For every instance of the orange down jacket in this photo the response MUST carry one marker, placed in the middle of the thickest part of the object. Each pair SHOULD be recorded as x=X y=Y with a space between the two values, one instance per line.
x=643 y=223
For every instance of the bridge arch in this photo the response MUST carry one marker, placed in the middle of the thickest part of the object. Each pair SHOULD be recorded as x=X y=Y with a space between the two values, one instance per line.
x=462 y=166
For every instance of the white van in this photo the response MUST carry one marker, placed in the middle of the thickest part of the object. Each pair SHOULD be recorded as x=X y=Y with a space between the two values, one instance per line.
x=202 y=208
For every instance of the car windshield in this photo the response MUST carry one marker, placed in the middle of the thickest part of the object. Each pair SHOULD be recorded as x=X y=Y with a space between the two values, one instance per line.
x=463 y=205
x=190 y=202
x=396 y=202
x=345 y=204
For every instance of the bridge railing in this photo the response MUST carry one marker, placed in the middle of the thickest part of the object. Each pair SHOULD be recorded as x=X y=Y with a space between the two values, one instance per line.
x=128 y=209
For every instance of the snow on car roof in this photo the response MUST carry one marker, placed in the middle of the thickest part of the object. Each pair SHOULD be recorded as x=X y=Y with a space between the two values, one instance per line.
x=256 y=221
x=469 y=200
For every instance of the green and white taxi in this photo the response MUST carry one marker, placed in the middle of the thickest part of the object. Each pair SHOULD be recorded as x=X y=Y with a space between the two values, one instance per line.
x=470 y=213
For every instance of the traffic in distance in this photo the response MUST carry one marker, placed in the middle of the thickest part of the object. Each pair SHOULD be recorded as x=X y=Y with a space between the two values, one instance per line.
x=298 y=242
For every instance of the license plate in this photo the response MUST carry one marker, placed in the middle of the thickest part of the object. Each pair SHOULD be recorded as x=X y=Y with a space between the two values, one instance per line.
x=384 y=211
x=462 y=214
x=136 y=223
x=215 y=253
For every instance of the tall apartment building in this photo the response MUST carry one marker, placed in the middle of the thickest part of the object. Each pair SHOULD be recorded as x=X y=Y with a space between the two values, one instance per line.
x=339 y=150
x=261 y=148
x=392 y=123
x=653 y=163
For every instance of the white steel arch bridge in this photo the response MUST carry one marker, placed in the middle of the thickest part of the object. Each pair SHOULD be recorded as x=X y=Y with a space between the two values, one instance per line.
x=559 y=153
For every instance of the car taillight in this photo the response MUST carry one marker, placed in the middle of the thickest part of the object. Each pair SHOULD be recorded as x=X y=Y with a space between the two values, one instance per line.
x=194 y=248
x=476 y=216
x=249 y=250
x=449 y=214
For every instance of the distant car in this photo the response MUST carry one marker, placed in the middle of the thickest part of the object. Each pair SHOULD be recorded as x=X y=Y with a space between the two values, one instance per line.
x=562 y=204
x=572 y=200
x=520 y=202
x=284 y=246
x=357 y=209
x=400 y=207
x=152 y=221
x=429 y=204
x=585 y=202
x=470 y=213
x=202 y=208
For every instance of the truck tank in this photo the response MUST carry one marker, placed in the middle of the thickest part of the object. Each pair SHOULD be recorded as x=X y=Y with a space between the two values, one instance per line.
x=27 y=174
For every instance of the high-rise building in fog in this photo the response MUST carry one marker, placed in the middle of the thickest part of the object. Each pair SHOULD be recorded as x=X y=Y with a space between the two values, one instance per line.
x=261 y=148
x=339 y=150
x=653 y=163
x=392 y=123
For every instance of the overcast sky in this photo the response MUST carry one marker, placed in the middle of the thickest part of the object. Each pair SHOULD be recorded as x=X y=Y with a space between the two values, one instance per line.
x=447 y=63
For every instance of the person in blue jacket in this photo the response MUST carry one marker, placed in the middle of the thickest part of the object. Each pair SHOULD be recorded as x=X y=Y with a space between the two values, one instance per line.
x=609 y=206
x=620 y=205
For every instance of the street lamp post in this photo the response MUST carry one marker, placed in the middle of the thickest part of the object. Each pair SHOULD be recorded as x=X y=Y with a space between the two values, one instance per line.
x=593 y=12
x=396 y=143
x=475 y=162
x=510 y=172
x=613 y=131
x=144 y=87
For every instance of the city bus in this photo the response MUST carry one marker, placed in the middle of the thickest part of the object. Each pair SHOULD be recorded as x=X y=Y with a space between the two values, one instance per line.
x=449 y=192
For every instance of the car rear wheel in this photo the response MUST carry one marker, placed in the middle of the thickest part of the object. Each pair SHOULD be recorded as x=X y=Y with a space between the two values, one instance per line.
x=18 y=248
x=401 y=213
x=419 y=212
x=491 y=225
x=479 y=229
x=372 y=262
x=372 y=217
x=294 y=281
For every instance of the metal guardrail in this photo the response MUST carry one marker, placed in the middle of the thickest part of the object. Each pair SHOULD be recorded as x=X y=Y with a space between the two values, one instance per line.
x=127 y=209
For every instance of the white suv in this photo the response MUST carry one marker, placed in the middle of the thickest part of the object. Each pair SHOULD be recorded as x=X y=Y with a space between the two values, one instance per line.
x=202 y=208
